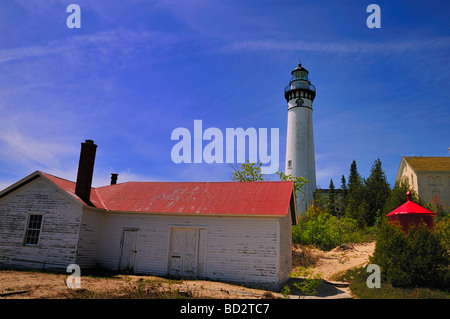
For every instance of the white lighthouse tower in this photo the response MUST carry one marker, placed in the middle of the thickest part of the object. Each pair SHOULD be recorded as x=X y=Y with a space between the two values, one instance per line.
x=300 y=158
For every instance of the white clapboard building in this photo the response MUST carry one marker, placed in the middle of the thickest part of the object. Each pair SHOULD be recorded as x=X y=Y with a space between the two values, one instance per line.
x=229 y=231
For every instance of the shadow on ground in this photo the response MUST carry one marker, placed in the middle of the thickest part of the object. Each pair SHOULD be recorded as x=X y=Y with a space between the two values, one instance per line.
x=303 y=288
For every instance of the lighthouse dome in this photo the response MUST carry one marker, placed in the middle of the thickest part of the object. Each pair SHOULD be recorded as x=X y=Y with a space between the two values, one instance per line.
x=300 y=73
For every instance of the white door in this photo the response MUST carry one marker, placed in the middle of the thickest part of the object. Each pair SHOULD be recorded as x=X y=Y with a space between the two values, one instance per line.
x=128 y=251
x=184 y=252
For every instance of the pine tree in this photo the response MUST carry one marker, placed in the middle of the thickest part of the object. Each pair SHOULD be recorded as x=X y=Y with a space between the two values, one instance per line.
x=343 y=192
x=377 y=191
x=355 y=196
x=343 y=185
x=332 y=198
x=354 y=179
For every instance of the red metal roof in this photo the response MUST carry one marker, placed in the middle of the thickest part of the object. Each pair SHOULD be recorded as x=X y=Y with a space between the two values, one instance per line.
x=69 y=187
x=213 y=198
x=255 y=198
x=410 y=208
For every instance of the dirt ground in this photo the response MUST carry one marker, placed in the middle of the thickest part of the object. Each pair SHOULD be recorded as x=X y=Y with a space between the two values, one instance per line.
x=342 y=258
x=36 y=285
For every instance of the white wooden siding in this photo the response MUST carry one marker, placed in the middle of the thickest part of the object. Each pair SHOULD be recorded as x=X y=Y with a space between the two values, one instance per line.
x=285 y=235
x=89 y=240
x=243 y=249
x=59 y=232
x=248 y=249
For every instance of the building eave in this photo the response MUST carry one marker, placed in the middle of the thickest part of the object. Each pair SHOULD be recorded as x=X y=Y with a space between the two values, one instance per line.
x=33 y=176
x=403 y=163
x=24 y=181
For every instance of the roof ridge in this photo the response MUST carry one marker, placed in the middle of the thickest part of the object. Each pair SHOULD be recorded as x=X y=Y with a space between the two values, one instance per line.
x=192 y=182
x=427 y=157
x=428 y=164
x=64 y=179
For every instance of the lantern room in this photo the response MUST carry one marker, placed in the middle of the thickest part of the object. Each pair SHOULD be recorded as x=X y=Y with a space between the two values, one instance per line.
x=300 y=85
x=411 y=214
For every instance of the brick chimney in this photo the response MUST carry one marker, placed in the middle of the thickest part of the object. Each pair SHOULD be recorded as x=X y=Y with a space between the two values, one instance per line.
x=85 y=171
x=114 y=178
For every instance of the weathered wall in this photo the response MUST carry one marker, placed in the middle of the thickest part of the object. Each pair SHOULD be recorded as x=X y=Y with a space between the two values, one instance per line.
x=59 y=233
x=285 y=242
x=253 y=250
x=244 y=249
x=433 y=184
x=89 y=240
x=428 y=184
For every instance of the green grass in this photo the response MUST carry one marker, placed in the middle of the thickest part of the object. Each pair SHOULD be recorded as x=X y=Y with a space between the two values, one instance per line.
x=357 y=278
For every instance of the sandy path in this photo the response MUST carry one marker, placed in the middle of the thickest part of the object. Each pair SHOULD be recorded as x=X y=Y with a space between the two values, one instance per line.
x=342 y=258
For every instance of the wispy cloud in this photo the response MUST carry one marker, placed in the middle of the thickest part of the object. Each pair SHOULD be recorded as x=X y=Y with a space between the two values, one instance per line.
x=218 y=19
x=21 y=53
x=117 y=43
x=42 y=122
x=26 y=149
x=387 y=47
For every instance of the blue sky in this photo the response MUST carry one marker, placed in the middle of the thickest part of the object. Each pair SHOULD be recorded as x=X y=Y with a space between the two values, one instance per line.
x=138 y=69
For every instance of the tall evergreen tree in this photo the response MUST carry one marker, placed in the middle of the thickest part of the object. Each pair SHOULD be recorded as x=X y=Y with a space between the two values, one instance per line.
x=353 y=191
x=332 y=198
x=343 y=185
x=377 y=191
x=356 y=204
x=354 y=179
x=343 y=192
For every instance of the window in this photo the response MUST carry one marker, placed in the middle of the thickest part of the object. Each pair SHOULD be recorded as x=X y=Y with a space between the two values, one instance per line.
x=289 y=164
x=33 y=229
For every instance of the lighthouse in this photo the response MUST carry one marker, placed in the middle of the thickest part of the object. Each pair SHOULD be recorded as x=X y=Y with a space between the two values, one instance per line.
x=300 y=158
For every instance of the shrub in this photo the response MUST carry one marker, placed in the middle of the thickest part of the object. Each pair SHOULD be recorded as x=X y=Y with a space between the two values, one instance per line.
x=443 y=229
x=319 y=228
x=418 y=258
x=316 y=228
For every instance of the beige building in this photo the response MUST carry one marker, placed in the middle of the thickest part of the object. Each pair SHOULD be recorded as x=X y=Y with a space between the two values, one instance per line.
x=428 y=176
